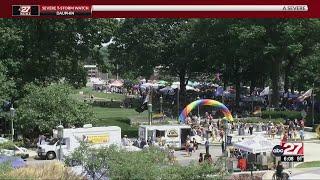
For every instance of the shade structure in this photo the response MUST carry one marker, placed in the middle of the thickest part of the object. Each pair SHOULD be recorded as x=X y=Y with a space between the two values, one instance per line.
x=116 y=83
x=167 y=90
x=148 y=85
x=257 y=144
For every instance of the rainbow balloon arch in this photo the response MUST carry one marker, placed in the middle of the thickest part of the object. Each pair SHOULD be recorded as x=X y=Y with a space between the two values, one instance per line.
x=205 y=102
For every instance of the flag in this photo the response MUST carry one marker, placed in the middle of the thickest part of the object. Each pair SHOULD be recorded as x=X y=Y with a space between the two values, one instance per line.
x=305 y=95
x=219 y=91
x=265 y=91
x=144 y=105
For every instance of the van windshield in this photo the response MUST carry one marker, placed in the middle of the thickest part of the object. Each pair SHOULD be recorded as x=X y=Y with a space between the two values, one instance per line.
x=53 y=141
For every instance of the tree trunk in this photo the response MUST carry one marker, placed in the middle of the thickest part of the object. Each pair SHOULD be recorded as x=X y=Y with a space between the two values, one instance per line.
x=286 y=81
x=237 y=83
x=182 y=93
x=292 y=88
x=253 y=84
x=275 y=78
x=238 y=92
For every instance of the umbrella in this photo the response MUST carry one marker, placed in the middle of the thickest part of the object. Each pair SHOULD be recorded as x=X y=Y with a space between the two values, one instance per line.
x=149 y=85
x=175 y=85
x=162 y=82
x=189 y=88
x=167 y=90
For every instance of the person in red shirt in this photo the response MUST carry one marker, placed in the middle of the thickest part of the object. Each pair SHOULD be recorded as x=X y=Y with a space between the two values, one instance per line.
x=285 y=137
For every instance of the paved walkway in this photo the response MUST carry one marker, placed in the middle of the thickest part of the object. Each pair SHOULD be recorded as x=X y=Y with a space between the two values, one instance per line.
x=184 y=159
x=297 y=173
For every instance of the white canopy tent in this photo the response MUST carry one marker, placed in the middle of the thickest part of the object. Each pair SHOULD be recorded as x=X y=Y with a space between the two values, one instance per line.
x=257 y=144
x=176 y=85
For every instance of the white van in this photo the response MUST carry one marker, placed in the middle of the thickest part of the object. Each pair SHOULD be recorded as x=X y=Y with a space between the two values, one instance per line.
x=174 y=135
x=96 y=136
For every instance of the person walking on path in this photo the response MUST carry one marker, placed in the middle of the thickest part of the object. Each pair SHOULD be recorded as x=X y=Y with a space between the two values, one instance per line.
x=222 y=147
x=295 y=134
x=301 y=134
x=190 y=149
x=206 y=144
x=251 y=129
x=200 y=158
x=195 y=144
x=221 y=133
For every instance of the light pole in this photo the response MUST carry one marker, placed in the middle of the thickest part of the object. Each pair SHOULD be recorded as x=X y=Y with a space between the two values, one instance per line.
x=178 y=103
x=225 y=122
x=150 y=113
x=198 y=98
x=12 y=114
x=313 y=104
x=60 y=136
x=161 y=110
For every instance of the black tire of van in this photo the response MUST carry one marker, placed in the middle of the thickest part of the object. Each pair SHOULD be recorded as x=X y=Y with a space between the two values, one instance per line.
x=51 y=155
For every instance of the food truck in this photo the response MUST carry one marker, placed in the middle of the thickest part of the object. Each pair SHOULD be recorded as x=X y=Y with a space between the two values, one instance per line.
x=95 y=136
x=173 y=135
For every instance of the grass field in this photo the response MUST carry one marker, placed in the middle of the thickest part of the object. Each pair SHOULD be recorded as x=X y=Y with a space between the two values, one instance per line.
x=87 y=91
x=118 y=117
x=121 y=117
x=309 y=164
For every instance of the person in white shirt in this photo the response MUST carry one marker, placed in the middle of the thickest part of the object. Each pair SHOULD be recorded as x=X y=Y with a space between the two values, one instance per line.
x=125 y=141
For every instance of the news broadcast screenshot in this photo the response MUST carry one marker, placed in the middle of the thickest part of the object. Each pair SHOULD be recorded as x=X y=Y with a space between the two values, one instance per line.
x=160 y=90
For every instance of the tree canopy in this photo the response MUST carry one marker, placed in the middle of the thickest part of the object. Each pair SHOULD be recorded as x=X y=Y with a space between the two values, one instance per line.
x=44 y=108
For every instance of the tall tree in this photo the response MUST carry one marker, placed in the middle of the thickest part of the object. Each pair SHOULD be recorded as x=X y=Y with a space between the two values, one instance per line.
x=48 y=50
x=142 y=44
x=287 y=42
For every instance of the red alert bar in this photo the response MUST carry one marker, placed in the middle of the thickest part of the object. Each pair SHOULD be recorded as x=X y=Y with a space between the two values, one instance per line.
x=257 y=8
x=161 y=9
x=65 y=10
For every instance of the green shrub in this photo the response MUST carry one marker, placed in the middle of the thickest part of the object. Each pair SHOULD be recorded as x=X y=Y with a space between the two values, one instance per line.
x=309 y=119
x=4 y=168
x=257 y=120
x=7 y=145
x=106 y=103
x=281 y=114
x=151 y=163
x=132 y=132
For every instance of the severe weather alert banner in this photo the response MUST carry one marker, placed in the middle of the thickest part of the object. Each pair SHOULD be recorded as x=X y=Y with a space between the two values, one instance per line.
x=158 y=8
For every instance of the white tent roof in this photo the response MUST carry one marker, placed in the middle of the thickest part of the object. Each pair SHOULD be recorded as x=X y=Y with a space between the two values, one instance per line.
x=116 y=83
x=97 y=81
x=257 y=144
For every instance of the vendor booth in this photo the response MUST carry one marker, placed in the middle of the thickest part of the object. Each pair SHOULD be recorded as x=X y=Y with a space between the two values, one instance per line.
x=261 y=147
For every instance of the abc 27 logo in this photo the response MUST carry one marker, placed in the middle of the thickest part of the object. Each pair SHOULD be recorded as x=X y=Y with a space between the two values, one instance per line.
x=289 y=151
x=25 y=10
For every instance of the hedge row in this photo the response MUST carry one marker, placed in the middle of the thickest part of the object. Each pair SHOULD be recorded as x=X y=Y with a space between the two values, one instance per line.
x=309 y=119
x=281 y=114
x=132 y=132
x=109 y=104
x=258 y=120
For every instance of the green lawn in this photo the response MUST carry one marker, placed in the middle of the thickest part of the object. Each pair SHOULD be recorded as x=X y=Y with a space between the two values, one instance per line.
x=88 y=92
x=309 y=164
x=118 y=117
